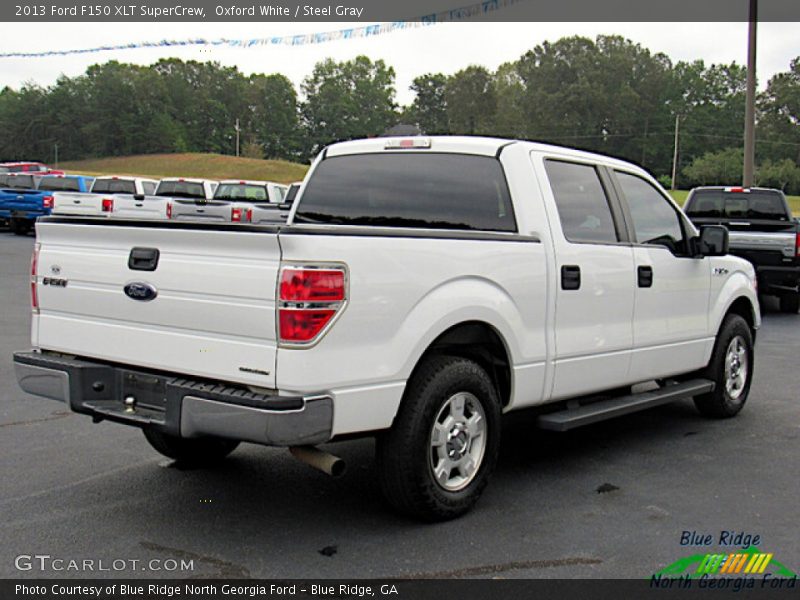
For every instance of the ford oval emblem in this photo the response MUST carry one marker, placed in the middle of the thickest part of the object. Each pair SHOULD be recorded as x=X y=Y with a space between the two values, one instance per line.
x=140 y=291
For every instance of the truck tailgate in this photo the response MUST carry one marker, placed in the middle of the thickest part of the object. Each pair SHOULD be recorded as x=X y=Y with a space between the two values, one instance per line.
x=77 y=203
x=213 y=315
x=150 y=207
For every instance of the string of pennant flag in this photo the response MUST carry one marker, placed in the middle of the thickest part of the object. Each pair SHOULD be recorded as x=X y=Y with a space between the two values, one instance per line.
x=447 y=16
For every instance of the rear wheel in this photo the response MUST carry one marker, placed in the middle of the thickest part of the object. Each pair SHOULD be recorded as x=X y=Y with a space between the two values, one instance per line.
x=731 y=368
x=192 y=451
x=438 y=456
x=790 y=303
x=20 y=227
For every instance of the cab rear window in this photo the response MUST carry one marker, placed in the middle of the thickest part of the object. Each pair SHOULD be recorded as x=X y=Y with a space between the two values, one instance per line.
x=63 y=184
x=241 y=191
x=181 y=189
x=114 y=186
x=420 y=189
x=755 y=204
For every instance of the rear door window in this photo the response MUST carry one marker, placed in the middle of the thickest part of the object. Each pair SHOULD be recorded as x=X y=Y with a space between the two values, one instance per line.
x=418 y=189
x=582 y=202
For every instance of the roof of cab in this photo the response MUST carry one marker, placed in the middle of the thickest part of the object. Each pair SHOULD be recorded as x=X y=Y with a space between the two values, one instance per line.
x=250 y=182
x=483 y=146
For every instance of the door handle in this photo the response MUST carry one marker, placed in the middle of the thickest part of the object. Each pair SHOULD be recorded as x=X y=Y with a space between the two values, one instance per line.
x=570 y=277
x=645 y=277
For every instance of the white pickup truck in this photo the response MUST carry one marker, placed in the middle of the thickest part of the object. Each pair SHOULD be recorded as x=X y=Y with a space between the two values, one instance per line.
x=100 y=199
x=159 y=205
x=234 y=201
x=420 y=288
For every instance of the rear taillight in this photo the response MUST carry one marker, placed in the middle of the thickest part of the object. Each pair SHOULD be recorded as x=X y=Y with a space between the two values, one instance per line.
x=34 y=263
x=236 y=215
x=248 y=215
x=309 y=297
x=169 y=210
x=797 y=244
x=47 y=202
x=108 y=205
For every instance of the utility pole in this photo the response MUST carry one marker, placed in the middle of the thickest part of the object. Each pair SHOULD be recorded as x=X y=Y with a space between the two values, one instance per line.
x=237 y=137
x=750 y=100
x=675 y=154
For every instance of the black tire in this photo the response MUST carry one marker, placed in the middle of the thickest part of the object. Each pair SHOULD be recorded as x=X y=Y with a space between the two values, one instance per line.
x=790 y=303
x=20 y=227
x=405 y=453
x=723 y=402
x=190 y=451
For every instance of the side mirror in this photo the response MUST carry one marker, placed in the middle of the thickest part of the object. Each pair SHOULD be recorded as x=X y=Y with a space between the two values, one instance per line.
x=138 y=196
x=713 y=241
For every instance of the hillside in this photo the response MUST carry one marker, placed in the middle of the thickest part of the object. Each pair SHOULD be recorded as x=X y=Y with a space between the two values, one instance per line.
x=210 y=166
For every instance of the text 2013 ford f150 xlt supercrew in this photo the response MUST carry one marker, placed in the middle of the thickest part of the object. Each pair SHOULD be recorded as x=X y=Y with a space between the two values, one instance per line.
x=420 y=288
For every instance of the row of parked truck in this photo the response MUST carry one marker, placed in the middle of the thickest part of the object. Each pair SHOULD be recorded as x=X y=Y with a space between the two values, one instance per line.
x=26 y=196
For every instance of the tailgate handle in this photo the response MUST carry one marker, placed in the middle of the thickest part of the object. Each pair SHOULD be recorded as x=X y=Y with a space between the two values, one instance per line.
x=143 y=259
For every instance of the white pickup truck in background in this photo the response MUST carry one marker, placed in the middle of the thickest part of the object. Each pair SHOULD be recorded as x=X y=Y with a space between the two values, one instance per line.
x=159 y=205
x=420 y=288
x=99 y=200
x=234 y=201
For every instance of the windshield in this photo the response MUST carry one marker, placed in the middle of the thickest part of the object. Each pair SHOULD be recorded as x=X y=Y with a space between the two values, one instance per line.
x=755 y=204
x=181 y=189
x=243 y=192
x=114 y=186
x=68 y=184
x=420 y=189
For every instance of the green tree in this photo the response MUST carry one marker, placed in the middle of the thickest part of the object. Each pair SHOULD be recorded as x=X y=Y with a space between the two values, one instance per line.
x=275 y=117
x=723 y=167
x=471 y=101
x=346 y=100
x=429 y=109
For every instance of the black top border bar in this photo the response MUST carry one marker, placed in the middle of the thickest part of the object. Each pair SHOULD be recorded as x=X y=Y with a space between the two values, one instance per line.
x=374 y=11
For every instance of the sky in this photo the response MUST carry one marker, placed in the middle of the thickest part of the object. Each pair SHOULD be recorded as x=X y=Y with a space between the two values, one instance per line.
x=444 y=48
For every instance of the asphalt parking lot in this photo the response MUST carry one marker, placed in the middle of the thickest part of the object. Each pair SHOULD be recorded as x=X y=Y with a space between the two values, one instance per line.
x=76 y=490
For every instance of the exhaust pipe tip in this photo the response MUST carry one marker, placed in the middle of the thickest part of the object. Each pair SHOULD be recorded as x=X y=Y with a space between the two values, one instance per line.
x=326 y=462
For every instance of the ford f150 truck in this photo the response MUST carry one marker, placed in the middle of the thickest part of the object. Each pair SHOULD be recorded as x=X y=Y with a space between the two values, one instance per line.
x=99 y=200
x=159 y=205
x=420 y=288
x=23 y=207
x=762 y=230
x=233 y=201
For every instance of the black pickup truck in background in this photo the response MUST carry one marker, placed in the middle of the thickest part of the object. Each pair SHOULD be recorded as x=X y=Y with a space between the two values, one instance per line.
x=762 y=230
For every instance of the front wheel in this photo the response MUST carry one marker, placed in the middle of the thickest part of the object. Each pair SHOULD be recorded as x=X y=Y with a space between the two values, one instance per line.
x=731 y=368
x=190 y=451
x=437 y=458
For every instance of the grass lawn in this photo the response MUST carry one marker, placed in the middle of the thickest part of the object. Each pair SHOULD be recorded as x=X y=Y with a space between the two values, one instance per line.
x=209 y=166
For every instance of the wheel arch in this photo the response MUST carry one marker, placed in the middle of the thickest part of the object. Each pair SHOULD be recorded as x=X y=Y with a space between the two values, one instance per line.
x=478 y=341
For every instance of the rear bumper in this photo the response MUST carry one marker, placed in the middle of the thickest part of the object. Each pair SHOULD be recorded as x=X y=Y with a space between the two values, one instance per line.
x=173 y=404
